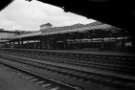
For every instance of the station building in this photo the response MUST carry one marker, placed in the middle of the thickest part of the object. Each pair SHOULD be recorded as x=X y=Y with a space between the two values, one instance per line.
x=96 y=35
x=6 y=36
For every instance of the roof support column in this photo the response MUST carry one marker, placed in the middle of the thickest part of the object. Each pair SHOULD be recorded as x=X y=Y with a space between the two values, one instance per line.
x=50 y=43
x=42 y=43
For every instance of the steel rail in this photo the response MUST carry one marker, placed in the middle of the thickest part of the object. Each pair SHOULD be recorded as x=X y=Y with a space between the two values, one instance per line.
x=35 y=63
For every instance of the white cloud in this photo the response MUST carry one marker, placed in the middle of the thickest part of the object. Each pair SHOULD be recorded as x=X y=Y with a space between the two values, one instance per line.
x=29 y=15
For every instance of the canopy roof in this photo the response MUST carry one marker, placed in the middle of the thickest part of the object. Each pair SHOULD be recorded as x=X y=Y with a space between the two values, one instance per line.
x=66 y=29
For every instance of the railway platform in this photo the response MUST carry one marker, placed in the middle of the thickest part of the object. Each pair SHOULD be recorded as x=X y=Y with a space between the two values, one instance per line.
x=9 y=80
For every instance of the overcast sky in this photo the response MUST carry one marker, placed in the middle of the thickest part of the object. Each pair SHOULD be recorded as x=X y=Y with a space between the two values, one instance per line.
x=24 y=15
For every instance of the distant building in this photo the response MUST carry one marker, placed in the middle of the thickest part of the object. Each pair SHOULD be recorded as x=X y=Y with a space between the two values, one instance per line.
x=45 y=26
x=6 y=35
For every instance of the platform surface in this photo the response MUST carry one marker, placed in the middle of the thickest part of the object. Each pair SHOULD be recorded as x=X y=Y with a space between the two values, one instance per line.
x=9 y=80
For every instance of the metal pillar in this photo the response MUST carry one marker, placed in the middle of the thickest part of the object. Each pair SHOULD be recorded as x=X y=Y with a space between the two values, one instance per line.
x=42 y=43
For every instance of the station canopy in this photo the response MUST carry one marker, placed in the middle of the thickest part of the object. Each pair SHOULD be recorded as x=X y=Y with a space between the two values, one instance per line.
x=67 y=29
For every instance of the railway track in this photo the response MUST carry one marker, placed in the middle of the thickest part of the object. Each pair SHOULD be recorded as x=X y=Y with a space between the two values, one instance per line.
x=33 y=75
x=80 y=79
x=124 y=64
x=45 y=83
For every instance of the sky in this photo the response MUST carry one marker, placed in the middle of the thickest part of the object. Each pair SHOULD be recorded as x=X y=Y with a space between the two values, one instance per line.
x=24 y=15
